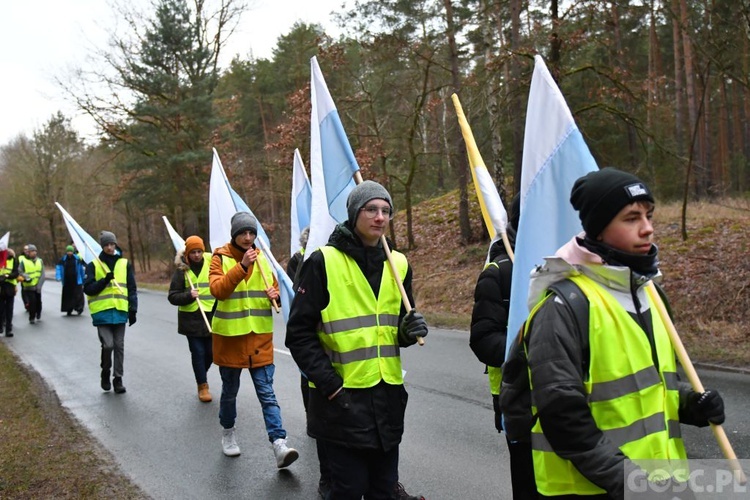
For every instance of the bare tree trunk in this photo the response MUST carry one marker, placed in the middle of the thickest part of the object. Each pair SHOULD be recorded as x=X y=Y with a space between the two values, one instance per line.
x=679 y=89
x=692 y=101
x=723 y=140
x=462 y=162
x=492 y=95
x=555 y=42
x=515 y=106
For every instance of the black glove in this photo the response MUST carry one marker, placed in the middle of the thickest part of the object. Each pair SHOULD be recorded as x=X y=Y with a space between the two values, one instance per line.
x=706 y=407
x=2 y=277
x=131 y=318
x=109 y=277
x=412 y=326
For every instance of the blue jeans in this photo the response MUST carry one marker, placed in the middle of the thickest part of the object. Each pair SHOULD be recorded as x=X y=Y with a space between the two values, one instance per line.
x=201 y=355
x=263 y=382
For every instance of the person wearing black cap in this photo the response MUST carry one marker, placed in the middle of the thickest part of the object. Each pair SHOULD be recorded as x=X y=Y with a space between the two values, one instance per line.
x=31 y=269
x=606 y=390
x=113 y=302
x=241 y=280
x=487 y=337
x=345 y=330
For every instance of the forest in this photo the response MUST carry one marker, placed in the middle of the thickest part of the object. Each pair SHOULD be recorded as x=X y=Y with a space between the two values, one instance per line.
x=660 y=88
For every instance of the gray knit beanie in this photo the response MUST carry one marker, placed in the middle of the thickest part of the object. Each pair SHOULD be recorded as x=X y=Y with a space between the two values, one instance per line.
x=106 y=237
x=243 y=221
x=364 y=192
x=32 y=248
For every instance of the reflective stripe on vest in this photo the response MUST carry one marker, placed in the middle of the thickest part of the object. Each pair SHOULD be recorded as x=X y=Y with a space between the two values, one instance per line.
x=111 y=297
x=33 y=268
x=201 y=284
x=359 y=331
x=634 y=403
x=247 y=309
x=7 y=270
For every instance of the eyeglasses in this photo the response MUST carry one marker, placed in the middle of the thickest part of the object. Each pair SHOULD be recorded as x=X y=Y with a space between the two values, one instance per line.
x=371 y=211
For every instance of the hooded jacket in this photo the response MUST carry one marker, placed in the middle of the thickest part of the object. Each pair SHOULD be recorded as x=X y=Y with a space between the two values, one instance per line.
x=371 y=418
x=555 y=360
x=252 y=350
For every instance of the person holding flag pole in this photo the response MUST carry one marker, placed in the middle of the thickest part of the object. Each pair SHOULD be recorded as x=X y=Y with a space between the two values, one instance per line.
x=489 y=318
x=189 y=290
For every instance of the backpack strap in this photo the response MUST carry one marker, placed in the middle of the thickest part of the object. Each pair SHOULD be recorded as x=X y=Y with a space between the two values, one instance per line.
x=576 y=301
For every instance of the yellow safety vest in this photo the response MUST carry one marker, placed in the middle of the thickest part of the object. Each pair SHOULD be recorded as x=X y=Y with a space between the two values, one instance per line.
x=359 y=331
x=247 y=309
x=634 y=403
x=32 y=268
x=7 y=270
x=201 y=283
x=111 y=297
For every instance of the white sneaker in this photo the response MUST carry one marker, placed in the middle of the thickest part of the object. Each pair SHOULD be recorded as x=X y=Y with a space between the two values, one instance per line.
x=285 y=456
x=229 y=443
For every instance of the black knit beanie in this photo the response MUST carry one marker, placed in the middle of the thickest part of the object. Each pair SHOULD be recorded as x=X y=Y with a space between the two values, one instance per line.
x=599 y=196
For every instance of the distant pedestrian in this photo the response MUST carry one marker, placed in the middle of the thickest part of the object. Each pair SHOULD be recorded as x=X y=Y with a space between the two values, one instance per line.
x=190 y=291
x=8 y=280
x=243 y=333
x=113 y=301
x=71 y=271
x=31 y=268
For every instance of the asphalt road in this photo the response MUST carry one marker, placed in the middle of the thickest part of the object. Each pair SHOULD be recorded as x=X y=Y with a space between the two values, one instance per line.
x=170 y=444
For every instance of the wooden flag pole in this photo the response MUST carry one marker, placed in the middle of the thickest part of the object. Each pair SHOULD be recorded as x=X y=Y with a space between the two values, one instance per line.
x=102 y=264
x=184 y=268
x=392 y=266
x=508 y=249
x=263 y=275
x=692 y=375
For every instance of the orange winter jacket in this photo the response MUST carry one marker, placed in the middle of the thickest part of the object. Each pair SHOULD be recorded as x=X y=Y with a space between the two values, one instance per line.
x=242 y=351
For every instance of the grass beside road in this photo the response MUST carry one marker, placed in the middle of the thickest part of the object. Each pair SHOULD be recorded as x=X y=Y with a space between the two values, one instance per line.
x=44 y=452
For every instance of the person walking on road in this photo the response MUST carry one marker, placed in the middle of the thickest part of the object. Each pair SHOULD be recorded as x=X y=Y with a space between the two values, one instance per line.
x=242 y=282
x=190 y=291
x=71 y=271
x=8 y=280
x=606 y=391
x=346 y=326
x=31 y=269
x=113 y=302
x=487 y=339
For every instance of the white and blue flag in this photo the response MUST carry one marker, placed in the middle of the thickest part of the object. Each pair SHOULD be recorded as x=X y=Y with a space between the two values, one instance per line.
x=88 y=248
x=332 y=163
x=223 y=203
x=301 y=202
x=554 y=156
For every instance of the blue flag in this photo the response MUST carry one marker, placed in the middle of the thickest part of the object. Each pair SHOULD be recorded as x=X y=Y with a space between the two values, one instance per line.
x=332 y=163
x=554 y=156
x=301 y=202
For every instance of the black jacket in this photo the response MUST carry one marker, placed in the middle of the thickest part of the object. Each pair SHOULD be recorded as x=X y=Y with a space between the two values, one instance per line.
x=191 y=324
x=358 y=418
x=489 y=318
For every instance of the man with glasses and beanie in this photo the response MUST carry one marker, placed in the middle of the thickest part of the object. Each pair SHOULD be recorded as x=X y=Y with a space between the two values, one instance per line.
x=346 y=327
x=113 y=301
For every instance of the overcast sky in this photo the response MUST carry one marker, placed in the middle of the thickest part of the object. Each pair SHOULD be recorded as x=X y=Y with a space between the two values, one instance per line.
x=42 y=39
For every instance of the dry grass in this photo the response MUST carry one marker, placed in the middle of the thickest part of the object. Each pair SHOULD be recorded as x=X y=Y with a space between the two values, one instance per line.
x=44 y=453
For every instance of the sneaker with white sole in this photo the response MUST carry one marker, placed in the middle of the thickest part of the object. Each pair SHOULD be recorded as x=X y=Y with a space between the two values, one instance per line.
x=229 y=443
x=285 y=456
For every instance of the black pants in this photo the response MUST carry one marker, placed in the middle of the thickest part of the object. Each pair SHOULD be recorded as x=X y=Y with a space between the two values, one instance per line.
x=522 y=471
x=33 y=301
x=7 y=298
x=357 y=473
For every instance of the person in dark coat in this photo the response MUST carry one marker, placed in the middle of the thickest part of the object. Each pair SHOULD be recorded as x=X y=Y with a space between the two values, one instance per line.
x=356 y=409
x=71 y=271
x=487 y=339
x=8 y=280
x=190 y=295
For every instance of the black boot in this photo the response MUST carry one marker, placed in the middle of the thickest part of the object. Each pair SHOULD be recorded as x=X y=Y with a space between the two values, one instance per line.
x=105 y=380
x=117 y=382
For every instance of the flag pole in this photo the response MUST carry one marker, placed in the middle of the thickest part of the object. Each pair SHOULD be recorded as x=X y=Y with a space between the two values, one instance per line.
x=262 y=274
x=184 y=269
x=392 y=266
x=692 y=375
